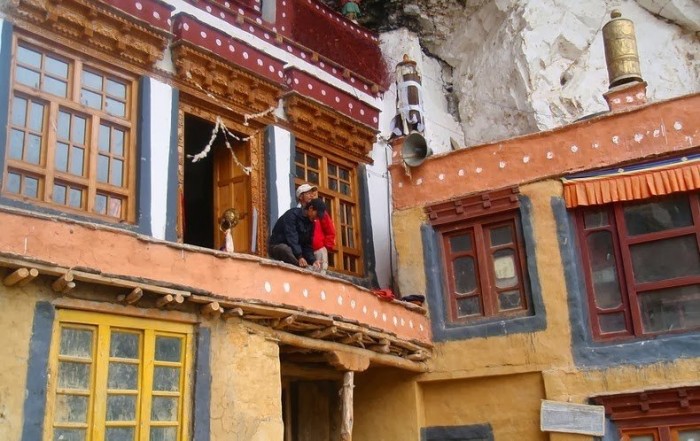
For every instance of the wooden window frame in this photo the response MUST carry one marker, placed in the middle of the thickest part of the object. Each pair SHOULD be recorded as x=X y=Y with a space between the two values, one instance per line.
x=486 y=290
x=46 y=170
x=102 y=324
x=629 y=288
x=338 y=258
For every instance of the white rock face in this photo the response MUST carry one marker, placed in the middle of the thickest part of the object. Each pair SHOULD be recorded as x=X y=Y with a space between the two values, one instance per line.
x=521 y=66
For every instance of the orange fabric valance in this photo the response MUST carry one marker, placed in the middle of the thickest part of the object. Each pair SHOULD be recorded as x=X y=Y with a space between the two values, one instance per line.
x=632 y=186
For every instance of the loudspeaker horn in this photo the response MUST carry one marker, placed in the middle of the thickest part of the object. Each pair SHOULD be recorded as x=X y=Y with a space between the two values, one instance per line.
x=415 y=150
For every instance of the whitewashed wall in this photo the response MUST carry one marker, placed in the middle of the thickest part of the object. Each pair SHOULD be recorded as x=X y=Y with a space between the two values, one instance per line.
x=283 y=155
x=161 y=103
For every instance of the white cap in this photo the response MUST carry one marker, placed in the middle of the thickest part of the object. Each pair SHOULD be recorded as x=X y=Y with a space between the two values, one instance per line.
x=303 y=188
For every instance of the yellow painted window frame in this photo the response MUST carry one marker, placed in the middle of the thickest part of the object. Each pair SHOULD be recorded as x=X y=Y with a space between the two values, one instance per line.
x=104 y=323
x=337 y=199
x=46 y=171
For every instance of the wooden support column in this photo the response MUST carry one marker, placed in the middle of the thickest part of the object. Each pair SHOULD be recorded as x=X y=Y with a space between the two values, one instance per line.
x=347 y=406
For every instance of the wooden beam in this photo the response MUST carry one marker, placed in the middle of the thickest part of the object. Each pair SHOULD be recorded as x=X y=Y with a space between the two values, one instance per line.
x=234 y=312
x=16 y=276
x=284 y=323
x=131 y=298
x=347 y=406
x=33 y=273
x=418 y=356
x=323 y=333
x=164 y=300
x=354 y=338
x=211 y=310
x=348 y=361
x=64 y=283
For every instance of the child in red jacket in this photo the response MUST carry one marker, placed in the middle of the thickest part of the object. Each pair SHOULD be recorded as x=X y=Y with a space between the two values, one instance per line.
x=324 y=229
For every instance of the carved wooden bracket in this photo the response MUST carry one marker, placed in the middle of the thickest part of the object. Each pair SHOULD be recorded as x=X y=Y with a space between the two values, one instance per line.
x=339 y=134
x=225 y=80
x=96 y=24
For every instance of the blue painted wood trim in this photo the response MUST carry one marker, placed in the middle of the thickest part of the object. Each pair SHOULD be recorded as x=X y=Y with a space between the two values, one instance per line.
x=202 y=387
x=143 y=172
x=475 y=432
x=587 y=352
x=173 y=191
x=37 y=372
x=271 y=177
x=370 y=271
x=5 y=74
x=435 y=287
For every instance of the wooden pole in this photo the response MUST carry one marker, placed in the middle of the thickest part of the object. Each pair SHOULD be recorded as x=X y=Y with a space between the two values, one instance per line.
x=16 y=276
x=33 y=273
x=131 y=298
x=63 y=283
x=211 y=310
x=347 y=403
x=164 y=300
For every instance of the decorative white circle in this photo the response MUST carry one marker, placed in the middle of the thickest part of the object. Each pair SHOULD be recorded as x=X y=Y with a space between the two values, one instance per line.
x=362 y=111
x=502 y=164
x=353 y=304
x=337 y=99
x=222 y=14
x=421 y=327
x=574 y=148
x=322 y=64
x=350 y=105
x=364 y=310
x=156 y=15
x=260 y=62
x=595 y=145
x=460 y=172
x=403 y=322
x=374 y=119
x=526 y=159
x=227 y=4
x=400 y=184
x=616 y=139
x=550 y=155
x=280 y=74
x=303 y=55
x=266 y=35
x=218 y=42
x=284 y=15
x=419 y=181
x=296 y=80
x=334 y=70
x=396 y=321
x=231 y=48
x=323 y=92
x=286 y=286
x=410 y=324
x=245 y=55
x=241 y=11
x=208 y=8
x=310 y=86
x=305 y=293
x=203 y=34
x=290 y=49
x=139 y=6
x=479 y=169
x=268 y=287
x=272 y=69
x=677 y=125
x=169 y=22
x=383 y=317
x=340 y=300
x=441 y=176
x=258 y=21
x=323 y=295
x=251 y=29
x=186 y=27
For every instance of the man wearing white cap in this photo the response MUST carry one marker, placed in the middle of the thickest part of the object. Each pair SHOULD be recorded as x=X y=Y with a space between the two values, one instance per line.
x=324 y=229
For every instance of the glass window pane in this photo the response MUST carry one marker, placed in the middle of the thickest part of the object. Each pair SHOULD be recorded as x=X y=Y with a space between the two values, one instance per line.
x=71 y=408
x=124 y=345
x=650 y=217
x=509 y=300
x=461 y=243
x=76 y=161
x=642 y=438
x=123 y=376
x=606 y=285
x=117 y=170
x=69 y=434
x=345 y=188
x=163 y=434
x=300 y=172
x=31 y=187
x=665 y=259
x=168 y=348
x=119 y=434
x=56 y=87
x=114 y=107
x=121 y=407
x=27 y=77
x=76 y=342
x=73 y=375
x=468 y=306
x=75 y=198
x=614 y=322
x=115 y=207
x=33 y=149
x=59 y=194
x=464 y=269
x=61 y=156
x=19 y=111
x=595 y=218
x=670 y=309
x=505 y=268
x=344 y=174
x=56 y=67
x=100 y=204
x=78 y=130
x=164 y=409
x=36 y=117
x=14 y=182
x=115 y=89
x=501 y=235
x=92 y=80
x=16 y=144
x=332 y=170
x=29 y=57
x=689 y=435
x=166 y=379
x=313 y=177
x=312 y=162
x=63 y=129
x=102 y=168
x=118 y=142
x=91 y=99
x=103 y=138
x=333 y=184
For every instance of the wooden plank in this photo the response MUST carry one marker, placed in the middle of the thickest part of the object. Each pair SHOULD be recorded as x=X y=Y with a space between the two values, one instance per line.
x=564 y=417
x=347 y=406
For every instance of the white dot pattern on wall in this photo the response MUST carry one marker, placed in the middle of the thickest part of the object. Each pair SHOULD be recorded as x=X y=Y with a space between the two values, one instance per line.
x=218 y=42
x=283 y=28
x=305 y=293
x=272 y=69
x=364 y=310
x=395 y=320
x=251 y=29
x=260 y=62
x=410 y=324
x=629 y=99
x=337 y=99
x=526 y=159
x=323 y=295
x=550 y=155
x=677 y=125
x=279 y=74
x=266 y=35
x=227 y=4
x=303 y=55
x=403 y=322
x=383 y=317
x=286 y=286
x=257 y=8
x=296 y=80
x=574 y=148
x=421 y=327
x=208 y=8
x=657 y=133
x=186 y=27
x=268 y=287
x=441 y=176
x=400 y=184
x=203 y=34
x=245 y=55
x=479 y=170
x=334 y=70
x=596 y=145
x=258 y=21
x=419 y=181
x=241 y=11
x=502 y=164
x=460 y=172
x=139 y=6
x=353 y=304
x=310 y=86
x=638 y=137
x=375 y=313
x=289 y=49
x=374 y=119
x=222 y=14
x=231 y=48
x=169 y=22
x=156 y=15
x=340 y=300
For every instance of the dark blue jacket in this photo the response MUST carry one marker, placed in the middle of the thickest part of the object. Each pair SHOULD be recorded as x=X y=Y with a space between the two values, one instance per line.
x=296 y=230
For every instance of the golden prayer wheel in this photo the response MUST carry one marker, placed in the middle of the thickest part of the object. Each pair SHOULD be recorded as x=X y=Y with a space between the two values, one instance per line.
x=621 y=54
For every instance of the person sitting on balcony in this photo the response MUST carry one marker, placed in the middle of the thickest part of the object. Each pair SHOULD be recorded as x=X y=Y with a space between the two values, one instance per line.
x=324 y=229
x=292 y=235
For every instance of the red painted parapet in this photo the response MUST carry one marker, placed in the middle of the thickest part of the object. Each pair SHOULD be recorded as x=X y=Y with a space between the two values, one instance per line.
x=154 y=12
x=228 y=276
x=188 y=28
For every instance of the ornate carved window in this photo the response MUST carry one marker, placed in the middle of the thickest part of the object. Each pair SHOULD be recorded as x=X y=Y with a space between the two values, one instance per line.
x=337 y=185
x=71 y=135
x=483 y=255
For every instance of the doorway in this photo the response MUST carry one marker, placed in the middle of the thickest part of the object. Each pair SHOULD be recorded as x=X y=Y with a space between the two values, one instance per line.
x=214 y=184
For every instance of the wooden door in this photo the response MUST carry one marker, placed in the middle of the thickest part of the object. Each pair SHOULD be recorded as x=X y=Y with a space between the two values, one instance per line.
x=232 y=190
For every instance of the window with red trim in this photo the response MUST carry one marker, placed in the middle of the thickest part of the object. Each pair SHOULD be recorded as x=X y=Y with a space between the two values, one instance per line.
x=642 y=266
x=483 y=255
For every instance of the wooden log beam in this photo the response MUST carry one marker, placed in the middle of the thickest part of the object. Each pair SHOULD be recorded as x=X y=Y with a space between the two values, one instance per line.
x=131 y=298
x=354 y=338
x=33 y=274
x=233 y=312
x=418 y=356
x=323 y=333
x=63 y=282
x=16 y=276
x=211 y=310
x=165 y=300
x=347 y=406
x=347 y=361
x=285 y=322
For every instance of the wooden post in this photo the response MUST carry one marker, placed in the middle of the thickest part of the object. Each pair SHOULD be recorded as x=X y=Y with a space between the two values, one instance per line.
x=17 y=276
x=164 y=300
x=64 y=283
x=33 y=273
x=131 y=298
x=347 y=403
x=211 y=310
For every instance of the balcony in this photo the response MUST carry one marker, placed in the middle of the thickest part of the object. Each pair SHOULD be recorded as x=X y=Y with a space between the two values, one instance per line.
x=299 y=308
